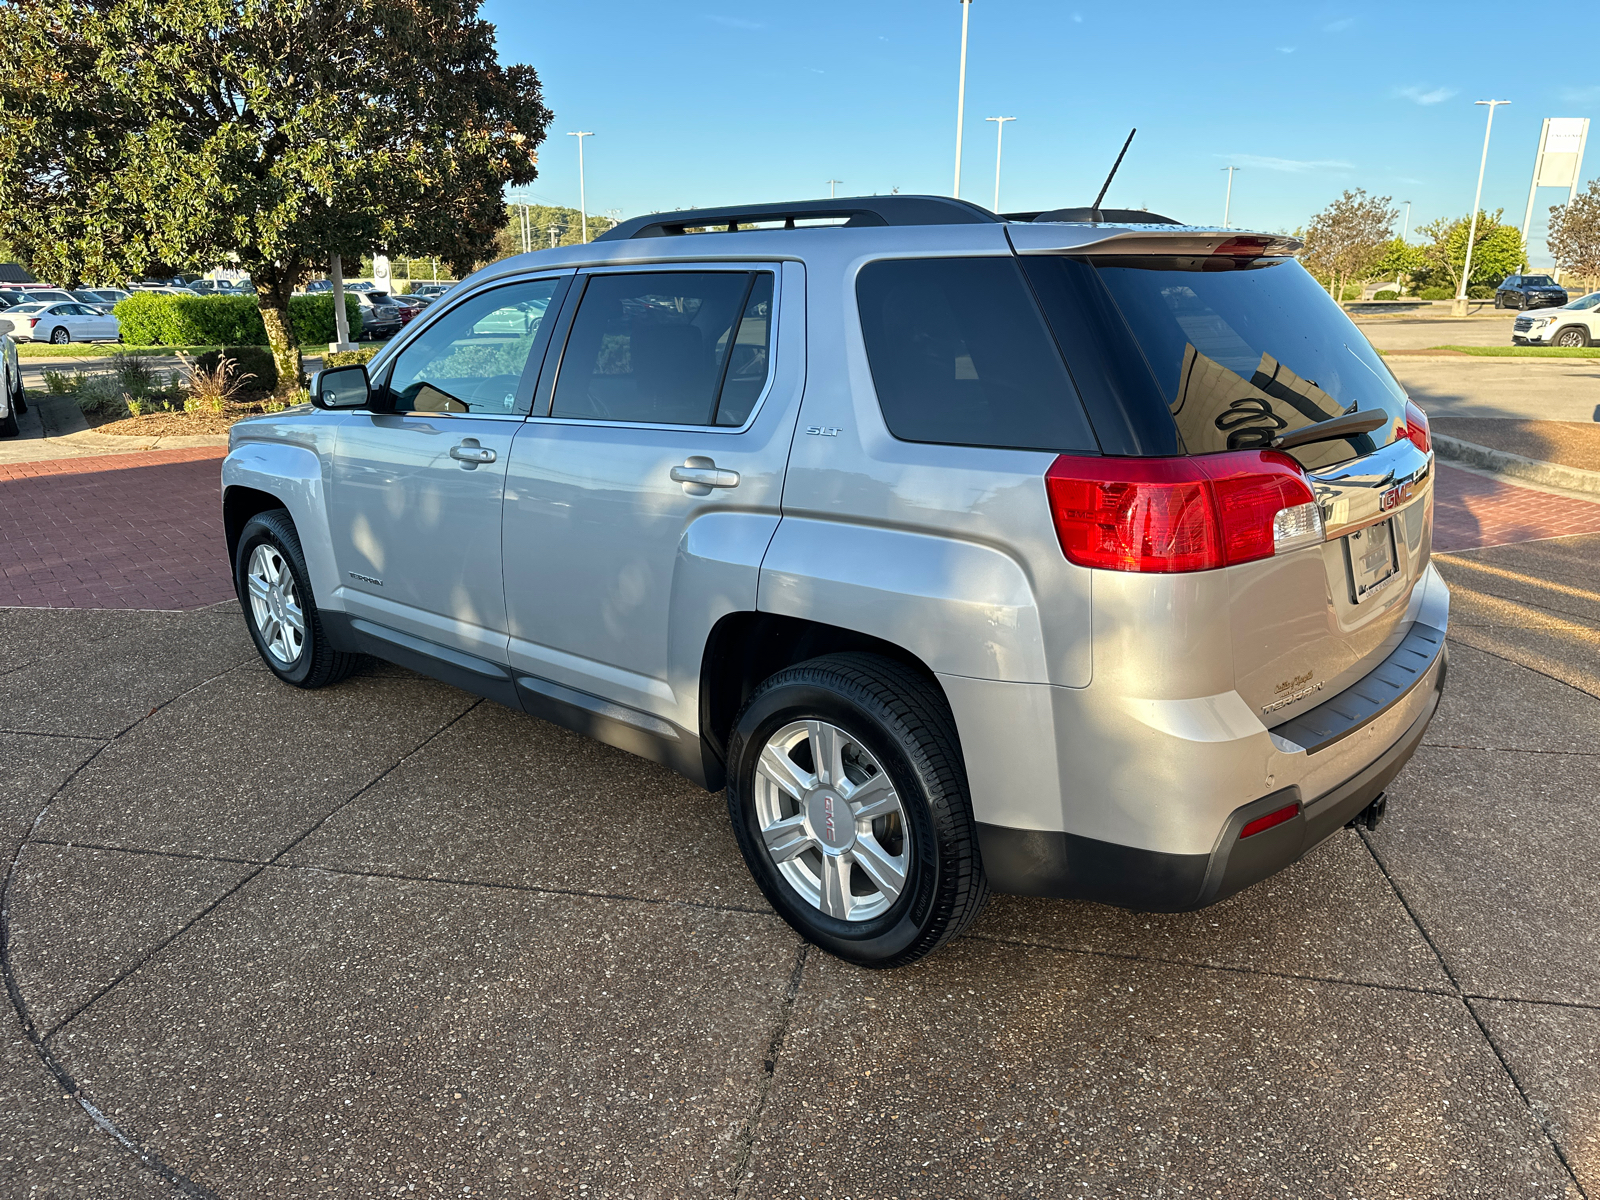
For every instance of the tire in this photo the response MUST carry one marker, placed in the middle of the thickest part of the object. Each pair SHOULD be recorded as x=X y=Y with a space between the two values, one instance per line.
x=19 y=398
x=891 y=723
x=1499 y=300
x=8 y=424
x=59 y=336
x=1572 y=335
x=303 y=657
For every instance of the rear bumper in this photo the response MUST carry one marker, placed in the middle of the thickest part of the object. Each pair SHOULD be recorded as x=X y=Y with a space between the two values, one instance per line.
x=1034 y=862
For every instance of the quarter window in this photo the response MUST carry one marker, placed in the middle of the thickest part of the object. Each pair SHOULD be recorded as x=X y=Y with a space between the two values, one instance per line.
x=668 y=348
x=478 y=356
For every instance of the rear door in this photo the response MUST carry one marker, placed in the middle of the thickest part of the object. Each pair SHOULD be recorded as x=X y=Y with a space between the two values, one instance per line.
x=646 y=486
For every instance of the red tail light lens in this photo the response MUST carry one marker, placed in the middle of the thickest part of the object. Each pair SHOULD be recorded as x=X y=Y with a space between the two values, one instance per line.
x=1168 y=515
x=1262 y=824
x=1416 y=430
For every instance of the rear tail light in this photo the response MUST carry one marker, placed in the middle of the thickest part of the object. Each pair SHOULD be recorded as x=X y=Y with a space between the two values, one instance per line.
x=1171 y=515
x=1416 y=430
x=32 y=321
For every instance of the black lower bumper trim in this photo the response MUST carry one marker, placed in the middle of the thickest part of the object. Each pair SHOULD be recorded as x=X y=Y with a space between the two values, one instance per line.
x=1036 y=862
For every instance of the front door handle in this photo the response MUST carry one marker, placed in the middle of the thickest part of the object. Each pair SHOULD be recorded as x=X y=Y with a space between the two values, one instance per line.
x=469 y=454
x=700 y=474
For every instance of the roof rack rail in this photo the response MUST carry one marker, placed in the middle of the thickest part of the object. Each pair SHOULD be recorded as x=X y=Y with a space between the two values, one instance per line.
x=1102 y=216
x=854 y=211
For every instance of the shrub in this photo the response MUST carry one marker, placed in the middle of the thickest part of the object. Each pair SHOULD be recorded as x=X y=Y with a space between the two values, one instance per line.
x=349 y=358
x=1389 y=294
x=134 y=375
x=1480 y=291
x=1436 y=293
x=101 y=394
x=162 y=319
x=212 y=388
x=58 y=384
x=254 y=363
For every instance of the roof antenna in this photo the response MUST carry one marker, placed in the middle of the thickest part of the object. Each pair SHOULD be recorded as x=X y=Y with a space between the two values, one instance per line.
x=1094 y=211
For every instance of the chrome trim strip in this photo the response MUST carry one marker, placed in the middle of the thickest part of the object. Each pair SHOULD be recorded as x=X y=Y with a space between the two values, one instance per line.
x=1353 y=495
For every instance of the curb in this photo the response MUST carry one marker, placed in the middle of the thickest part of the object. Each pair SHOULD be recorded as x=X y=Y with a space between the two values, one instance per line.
x=1515 y=466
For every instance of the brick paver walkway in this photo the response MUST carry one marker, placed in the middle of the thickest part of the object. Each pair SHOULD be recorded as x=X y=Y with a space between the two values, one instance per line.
x=1472 y=511
x=114 y=531
x=145 y=530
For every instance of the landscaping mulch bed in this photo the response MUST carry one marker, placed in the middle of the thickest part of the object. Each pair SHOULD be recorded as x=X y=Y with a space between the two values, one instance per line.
x=178 y=424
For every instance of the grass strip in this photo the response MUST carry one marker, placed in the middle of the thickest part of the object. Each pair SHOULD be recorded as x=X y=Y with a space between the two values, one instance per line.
x=1527 y=351
x=100 y=350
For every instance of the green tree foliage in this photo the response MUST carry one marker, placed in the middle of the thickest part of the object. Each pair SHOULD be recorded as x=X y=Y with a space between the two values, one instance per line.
x=1400 y=260
x=1575 y=233
x=135 y=132
x=566 y=222
x=1346 y=240
x=1496 y=252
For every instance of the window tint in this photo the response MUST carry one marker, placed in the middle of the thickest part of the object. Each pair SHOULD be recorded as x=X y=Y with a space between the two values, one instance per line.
x=474 y=357
x=654 y=348
x=960 y=355
x=1537 y=281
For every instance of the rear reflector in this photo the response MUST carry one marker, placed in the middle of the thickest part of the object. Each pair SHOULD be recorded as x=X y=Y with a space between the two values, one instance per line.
x=1170 y=515
x=1287 y=813
x=1416 y=428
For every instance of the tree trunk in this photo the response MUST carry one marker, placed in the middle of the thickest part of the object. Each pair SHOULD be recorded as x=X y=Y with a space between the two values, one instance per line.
x=274 y=285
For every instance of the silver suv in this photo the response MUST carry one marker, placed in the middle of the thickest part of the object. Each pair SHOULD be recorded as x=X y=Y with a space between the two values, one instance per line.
x=1063 y=557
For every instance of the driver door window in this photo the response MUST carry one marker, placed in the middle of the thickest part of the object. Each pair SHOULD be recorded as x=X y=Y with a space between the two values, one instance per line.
x=478 y=357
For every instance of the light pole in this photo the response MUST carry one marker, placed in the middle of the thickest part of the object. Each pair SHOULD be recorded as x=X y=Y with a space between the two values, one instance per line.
x=1227 y=201
x=1405 y=226
x=583 y=203
x=832 y=184
x=961 y=91
x=1459 y=308
x=999 y=133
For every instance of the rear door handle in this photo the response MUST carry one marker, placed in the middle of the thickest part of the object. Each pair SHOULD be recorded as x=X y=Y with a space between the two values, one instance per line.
x=700 y=474
x=470 y=454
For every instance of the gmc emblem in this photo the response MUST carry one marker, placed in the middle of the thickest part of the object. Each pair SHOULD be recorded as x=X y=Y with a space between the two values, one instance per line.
x=1396 y=496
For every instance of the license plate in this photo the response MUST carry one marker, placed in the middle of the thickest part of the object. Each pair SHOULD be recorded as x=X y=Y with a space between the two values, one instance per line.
x=1371 y=555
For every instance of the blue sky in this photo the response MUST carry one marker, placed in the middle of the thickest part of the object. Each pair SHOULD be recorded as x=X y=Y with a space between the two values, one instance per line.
x=715 y=103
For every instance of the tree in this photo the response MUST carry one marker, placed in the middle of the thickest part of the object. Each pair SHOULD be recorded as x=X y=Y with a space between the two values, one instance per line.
x=278 y=131
x=1575 y=233
x=1346 y=240
x=1496 y=252
x=1400 y=260
x=544 y=218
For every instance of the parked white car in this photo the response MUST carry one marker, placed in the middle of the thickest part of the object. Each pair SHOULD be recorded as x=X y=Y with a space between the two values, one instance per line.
x=59 y=323
x=1573 y=324
x=12 y=401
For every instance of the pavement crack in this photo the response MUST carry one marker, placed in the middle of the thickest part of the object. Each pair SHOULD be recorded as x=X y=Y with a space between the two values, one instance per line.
x=769 y=1068
x=1466 y=1003
x=81 y=737
x=1567 y=683
x=1227 y=968
x=1514 y=750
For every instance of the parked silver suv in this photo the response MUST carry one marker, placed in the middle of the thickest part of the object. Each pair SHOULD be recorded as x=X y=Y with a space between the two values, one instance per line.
x=1064 y=557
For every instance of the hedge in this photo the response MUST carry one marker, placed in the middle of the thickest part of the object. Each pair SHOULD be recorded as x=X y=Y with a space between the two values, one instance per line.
x=160 y=318
x=349 y=358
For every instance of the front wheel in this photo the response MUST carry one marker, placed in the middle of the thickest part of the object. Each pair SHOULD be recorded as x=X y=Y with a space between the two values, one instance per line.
x=59 y=336
x=1572 y=335
x=849 y=800
x=274 y=589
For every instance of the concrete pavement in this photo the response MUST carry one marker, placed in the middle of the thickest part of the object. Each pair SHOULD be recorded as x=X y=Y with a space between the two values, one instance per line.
x=386 y=939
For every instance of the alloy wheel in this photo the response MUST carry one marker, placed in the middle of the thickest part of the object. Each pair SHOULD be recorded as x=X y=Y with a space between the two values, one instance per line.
x=831 y=821
x=275 y=604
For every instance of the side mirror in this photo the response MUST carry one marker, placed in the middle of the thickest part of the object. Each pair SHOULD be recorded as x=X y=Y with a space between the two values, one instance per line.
x=341 y=388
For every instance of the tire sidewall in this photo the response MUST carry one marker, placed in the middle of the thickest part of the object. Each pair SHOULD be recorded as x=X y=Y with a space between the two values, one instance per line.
x=60 y=340
x=263 y=529
x=865 y=942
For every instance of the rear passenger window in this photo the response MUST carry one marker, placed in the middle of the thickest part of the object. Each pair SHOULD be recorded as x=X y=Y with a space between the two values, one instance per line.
x=960 y=355
x=668 y=348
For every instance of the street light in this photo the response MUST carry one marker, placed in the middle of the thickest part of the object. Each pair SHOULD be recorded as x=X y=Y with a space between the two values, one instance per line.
x=1227 y=202
x=1405 y=226
x=1459 y=308
x=961 y=92
x=583 y=203
x=999 y=133
x=832 y=183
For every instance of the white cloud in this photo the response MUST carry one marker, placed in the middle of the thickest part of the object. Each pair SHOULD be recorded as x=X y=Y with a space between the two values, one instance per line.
x=734 y=22
x=1436 y=95
x=1293 y=166
x=1581 y=95
x=1078 y=18
x=1339 y=26
x=1287 y=49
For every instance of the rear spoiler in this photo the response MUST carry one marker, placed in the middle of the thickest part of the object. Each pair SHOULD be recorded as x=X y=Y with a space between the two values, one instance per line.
x=1186 y=241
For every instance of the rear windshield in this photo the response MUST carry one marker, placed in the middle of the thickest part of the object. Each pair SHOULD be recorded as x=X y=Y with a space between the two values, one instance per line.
x=1236 y=351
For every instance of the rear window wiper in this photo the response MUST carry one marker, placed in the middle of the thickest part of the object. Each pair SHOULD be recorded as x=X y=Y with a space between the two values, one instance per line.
x=1348 y=426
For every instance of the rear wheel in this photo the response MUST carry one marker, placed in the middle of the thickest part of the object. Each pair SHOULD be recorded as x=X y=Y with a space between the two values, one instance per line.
x=1572 y=335
x=849 y=801
x=274 y=589
x=8 y=423
x=59 y=335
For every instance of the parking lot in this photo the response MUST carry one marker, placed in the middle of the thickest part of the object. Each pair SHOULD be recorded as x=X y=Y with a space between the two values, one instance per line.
x=387 y=939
